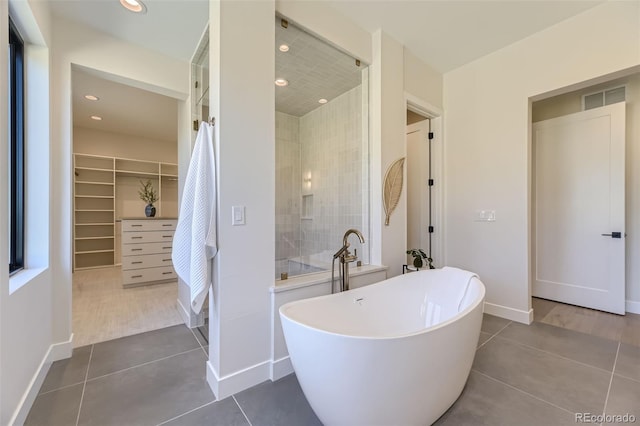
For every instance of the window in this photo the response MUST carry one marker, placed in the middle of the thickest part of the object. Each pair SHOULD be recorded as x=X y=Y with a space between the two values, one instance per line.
x=16 y=149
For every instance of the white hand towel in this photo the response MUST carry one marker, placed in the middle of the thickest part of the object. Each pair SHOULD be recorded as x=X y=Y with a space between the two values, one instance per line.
x=194 y=242
x=460 y=280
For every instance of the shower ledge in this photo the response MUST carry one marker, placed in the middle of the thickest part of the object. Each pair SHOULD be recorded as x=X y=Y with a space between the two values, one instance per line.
x=324 y=277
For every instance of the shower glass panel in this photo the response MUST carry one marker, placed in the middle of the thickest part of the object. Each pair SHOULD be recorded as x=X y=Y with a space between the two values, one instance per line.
x=322 y=151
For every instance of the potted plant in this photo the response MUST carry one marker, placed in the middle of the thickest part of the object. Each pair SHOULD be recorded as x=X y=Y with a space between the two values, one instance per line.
x=149 y=196
x=418 y=255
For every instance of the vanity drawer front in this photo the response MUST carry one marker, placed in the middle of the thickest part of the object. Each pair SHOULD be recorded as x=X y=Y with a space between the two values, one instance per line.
x=151 y=274
x=146 y=261
x=148 y=248
x=148 y=225
x=147 y=237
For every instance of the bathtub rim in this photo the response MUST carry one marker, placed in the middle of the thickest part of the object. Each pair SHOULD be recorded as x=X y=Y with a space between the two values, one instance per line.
x=443 y=324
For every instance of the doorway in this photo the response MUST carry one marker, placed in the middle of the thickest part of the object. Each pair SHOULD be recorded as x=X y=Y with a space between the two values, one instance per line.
x=424 y=182
x=123 y=139
x=580 y=209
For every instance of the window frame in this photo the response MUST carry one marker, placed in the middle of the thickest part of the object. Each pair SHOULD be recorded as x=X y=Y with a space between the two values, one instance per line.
x=16 y=149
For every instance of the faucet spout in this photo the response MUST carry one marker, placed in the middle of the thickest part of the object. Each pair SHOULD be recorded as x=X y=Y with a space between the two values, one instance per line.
x=349 y=232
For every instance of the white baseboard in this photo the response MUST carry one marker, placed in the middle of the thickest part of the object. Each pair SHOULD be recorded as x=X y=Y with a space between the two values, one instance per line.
x=190 y=319
x=281 y=368
x=517 y=315
x=632 y=307
x=56 y=352
x=223 y=387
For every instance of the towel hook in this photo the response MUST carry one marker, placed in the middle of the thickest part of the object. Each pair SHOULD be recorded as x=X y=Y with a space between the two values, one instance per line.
x=212 y=121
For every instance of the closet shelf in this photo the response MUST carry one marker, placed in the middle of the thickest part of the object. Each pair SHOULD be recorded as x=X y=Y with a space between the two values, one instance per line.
x=94 y=183
x=94 y=210
x=94 y=196
x=132 y=173
x=106 y=237
x=95 y=224
x=94 y=251
x=94 y=169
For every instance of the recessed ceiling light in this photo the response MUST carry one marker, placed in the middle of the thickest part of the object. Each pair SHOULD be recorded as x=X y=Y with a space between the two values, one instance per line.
x=96 y=117
x=284 y=48
x=282 y=82
x=322 y=101
x=134 y=5
x=91 y=97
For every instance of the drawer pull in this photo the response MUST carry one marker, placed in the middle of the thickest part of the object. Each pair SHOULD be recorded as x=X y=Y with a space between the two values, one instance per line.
x=136 y=276
x=135 y=225
x=166 y=260
x=136 y=238
x=164 y=248
x=167 y=273
x=136 y=249
x=167 y=224
x=167 y=236
x=135 y=263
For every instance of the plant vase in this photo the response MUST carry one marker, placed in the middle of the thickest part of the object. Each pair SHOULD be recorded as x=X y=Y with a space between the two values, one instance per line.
x=150 y=211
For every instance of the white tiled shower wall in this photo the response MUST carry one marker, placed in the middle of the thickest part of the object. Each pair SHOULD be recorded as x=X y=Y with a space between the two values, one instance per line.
x=322 y=159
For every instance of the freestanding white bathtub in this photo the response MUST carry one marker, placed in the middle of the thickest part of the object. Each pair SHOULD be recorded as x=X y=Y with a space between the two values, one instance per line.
x=398 y=352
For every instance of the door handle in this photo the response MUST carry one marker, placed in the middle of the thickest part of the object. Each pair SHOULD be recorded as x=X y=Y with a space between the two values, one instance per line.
x=613 y=235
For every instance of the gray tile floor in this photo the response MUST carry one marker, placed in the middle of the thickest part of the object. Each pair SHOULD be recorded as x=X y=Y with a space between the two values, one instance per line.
x=524 y=375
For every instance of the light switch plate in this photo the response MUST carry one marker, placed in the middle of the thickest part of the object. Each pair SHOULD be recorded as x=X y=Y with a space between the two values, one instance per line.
x=484 y=216
x=237 y=215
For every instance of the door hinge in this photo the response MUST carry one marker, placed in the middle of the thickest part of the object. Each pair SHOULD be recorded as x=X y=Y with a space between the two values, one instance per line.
x=431 y=229
x=430 y=135
x=430 y=182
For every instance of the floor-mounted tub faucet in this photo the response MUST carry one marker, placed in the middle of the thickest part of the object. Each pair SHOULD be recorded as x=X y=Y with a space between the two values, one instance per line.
x=345 y=257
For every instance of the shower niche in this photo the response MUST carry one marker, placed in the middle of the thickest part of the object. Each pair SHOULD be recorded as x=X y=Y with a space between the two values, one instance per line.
x=322 y=150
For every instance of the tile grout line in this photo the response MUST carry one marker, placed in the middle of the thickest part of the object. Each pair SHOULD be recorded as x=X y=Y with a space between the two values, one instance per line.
x=243 y=413
x=606 y=400
x=188 y=412
x=522 y=391
x=61 y=388
x=143 y=364
x=557 y=355
x=493 y=335
x=84 y=386
x=198 y=340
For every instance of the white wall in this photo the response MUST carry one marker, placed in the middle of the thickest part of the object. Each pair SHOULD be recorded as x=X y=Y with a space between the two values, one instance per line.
x=25 y=299
x=110 y=144
x=487 y=140
x=421 y=80
x=571 y=103
x=242 y=67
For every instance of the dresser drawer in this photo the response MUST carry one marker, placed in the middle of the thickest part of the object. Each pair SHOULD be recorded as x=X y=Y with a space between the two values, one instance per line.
x=139 y=276
x=147 y=237
x=146 y=261
x=148 y=225
x=145 y=248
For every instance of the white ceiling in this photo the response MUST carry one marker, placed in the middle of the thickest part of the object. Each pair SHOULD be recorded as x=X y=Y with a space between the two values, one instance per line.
x=171 y=27
x=445 y=34
x=449 y=33
x=124 y=109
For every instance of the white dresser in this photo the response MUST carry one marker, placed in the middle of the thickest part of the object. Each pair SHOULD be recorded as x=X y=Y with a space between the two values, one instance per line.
x=146 y=251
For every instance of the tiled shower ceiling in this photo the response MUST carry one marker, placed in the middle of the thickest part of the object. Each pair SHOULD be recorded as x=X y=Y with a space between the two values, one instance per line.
x=314 y=70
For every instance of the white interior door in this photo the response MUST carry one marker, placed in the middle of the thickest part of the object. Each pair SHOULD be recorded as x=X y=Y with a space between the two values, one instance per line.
x=579 y=208
x=418 y=185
